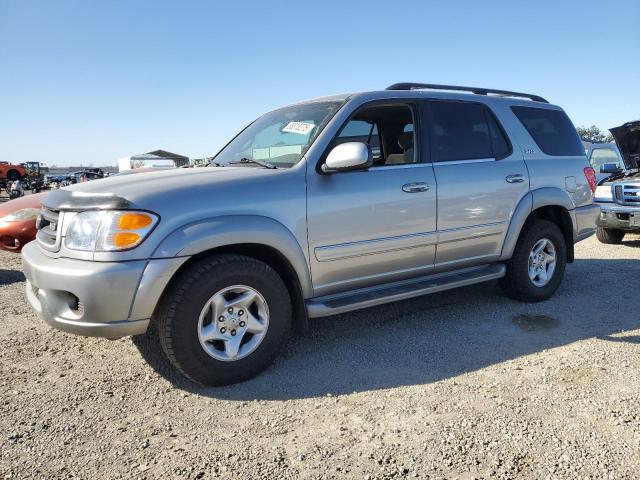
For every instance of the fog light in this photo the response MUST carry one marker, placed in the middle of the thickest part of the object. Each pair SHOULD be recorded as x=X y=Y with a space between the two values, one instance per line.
x=74 y=303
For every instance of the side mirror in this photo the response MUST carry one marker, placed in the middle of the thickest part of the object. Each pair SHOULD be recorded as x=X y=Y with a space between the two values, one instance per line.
x=348 y=156
x=610 y=168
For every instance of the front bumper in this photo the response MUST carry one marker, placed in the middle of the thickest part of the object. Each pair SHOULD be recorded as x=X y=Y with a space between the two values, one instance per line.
x=613 y=215
x=103 y=299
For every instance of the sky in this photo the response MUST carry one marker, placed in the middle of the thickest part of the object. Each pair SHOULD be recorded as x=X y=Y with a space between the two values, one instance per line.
x=90 y=82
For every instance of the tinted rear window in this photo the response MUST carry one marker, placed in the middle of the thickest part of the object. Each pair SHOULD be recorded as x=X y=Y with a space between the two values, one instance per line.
x=551 y=129
x=459 y=131
x=465 y=131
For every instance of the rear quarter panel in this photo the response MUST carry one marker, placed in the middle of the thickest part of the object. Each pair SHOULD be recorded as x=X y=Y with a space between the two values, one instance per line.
x=563 y=173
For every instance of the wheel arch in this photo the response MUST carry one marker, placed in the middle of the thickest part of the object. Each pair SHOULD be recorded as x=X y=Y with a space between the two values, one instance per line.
x=552 y=204
x=257 y=237
x=14 y=174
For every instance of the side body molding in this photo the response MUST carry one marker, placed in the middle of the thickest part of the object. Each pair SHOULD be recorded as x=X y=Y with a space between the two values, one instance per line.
x=210 y=233
x=535 y=199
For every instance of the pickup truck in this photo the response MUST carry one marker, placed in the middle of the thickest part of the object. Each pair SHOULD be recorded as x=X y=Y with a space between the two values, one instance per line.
x=619 y=194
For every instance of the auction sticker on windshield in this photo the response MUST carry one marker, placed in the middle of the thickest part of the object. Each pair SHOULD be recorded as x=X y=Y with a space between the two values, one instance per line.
x=298 y=127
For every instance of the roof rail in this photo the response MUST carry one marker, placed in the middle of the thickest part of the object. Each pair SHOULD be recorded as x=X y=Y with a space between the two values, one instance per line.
x=477 y=91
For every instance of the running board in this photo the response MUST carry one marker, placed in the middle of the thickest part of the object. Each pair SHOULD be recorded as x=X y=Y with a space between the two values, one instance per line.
x=392 y=292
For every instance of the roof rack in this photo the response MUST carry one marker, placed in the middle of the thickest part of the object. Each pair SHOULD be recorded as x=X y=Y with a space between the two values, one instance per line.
x=477 y=91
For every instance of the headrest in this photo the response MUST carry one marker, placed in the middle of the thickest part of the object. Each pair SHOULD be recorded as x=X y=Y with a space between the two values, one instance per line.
x=405 y=140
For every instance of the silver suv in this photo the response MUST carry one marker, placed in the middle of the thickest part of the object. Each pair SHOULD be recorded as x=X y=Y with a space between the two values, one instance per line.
x=318 y=208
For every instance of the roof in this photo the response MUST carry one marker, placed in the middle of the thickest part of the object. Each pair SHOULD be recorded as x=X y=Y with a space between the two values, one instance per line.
x=458 y=88
x=444 y=92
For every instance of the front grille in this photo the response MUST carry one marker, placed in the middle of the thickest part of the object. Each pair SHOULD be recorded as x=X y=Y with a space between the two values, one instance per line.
x=627 y=194
x=48 y=228
x=618 y=193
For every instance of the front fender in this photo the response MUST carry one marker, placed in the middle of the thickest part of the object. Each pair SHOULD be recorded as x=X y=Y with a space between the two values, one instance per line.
x=211 y=233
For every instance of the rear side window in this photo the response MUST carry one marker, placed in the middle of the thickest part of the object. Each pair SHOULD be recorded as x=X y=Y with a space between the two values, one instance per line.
x=464 y=131
x=551 y=129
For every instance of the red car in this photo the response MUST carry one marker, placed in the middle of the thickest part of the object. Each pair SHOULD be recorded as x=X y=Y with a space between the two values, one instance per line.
x=18 y=221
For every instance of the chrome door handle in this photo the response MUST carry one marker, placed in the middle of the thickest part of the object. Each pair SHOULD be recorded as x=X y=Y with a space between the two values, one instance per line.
x=517 y=178
x=415 y=187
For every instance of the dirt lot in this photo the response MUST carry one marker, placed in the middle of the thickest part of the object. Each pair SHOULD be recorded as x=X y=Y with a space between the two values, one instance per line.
x=465 y=384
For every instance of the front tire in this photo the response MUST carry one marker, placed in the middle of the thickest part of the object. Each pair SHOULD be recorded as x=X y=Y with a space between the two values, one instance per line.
x=537 y=266
x=224 y=319
x=610 y=236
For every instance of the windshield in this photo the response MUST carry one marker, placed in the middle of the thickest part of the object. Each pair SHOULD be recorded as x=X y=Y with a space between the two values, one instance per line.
x=280 y=138
x=600 y=156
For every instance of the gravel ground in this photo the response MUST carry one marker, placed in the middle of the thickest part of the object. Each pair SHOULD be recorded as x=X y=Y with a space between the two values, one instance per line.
x=464 y=384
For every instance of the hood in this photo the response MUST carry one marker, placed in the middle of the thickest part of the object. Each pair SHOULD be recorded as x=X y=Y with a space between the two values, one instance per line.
x=158 y=187
x=170 y=179
x=628 y=176
x=627 y=137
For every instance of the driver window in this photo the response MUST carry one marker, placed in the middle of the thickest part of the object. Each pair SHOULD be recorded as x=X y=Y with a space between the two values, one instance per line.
x=387 y=129
x=362 y=131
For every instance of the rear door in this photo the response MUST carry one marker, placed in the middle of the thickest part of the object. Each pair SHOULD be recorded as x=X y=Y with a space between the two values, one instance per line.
x=480 y=178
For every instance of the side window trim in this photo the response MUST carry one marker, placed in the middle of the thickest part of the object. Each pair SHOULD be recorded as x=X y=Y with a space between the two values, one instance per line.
x=424 y=112
x=468 y=160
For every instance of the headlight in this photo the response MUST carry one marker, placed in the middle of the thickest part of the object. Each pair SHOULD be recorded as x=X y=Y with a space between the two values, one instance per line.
x=21 y=215
x=109 y=230
x=603 y=193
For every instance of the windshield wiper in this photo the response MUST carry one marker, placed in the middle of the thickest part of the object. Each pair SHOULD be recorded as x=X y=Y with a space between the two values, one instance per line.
x=211 y=163
x=256 y=162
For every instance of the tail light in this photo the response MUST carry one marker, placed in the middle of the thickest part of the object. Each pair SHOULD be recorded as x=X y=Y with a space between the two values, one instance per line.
x=590 y=173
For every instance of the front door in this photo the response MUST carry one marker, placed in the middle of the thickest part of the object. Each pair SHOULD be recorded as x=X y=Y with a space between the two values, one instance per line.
x=480 y=177
x=375 y=225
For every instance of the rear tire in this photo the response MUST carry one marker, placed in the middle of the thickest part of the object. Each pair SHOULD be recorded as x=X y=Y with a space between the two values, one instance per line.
x=518 y=282
x=192 y=314
x=610 y=236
